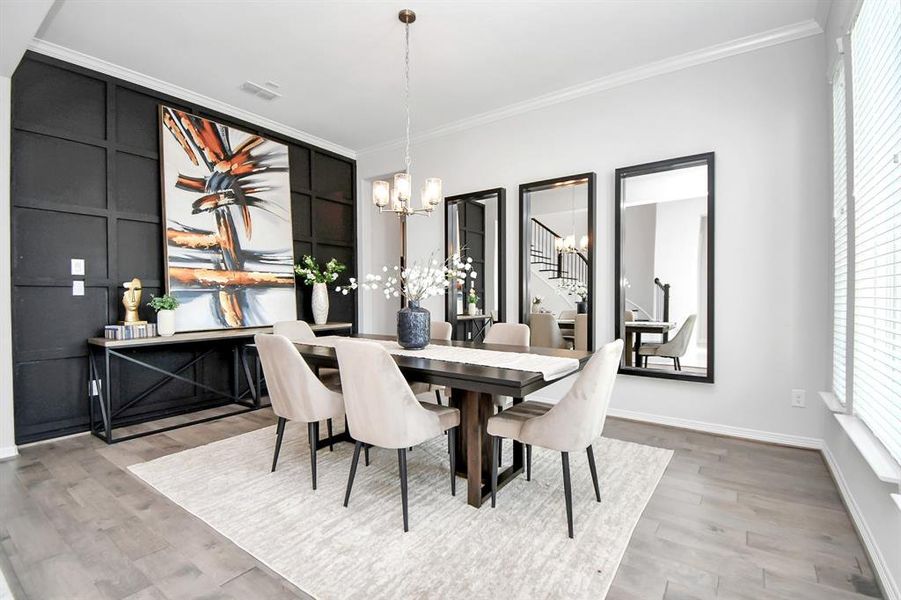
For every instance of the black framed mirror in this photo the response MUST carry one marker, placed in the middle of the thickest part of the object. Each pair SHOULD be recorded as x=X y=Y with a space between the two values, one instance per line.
x=664 y=268
x=557 y=257
x=475 y=227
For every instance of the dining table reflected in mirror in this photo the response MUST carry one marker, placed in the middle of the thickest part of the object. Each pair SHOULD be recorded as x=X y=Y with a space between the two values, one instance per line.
x=664 y=267
x=474 y=231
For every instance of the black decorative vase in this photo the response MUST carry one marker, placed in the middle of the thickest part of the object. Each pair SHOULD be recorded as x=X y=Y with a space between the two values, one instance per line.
x=413 y=326
x=582 y=307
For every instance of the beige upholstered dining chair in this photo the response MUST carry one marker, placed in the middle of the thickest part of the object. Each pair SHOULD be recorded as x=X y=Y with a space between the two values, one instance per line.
x=568 y=314
x=674 y=348
x=300 y=331
x=296 y=393
x=568 y=426
x=383 y=411
x=580 y=332
x=545 y=332
x=508 y=334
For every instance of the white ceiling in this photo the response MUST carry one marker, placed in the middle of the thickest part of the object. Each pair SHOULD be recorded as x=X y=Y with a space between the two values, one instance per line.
x=339 y=64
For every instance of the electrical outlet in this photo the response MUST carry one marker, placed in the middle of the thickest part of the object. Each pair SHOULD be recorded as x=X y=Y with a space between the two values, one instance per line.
x=95 y=387
x=77 y=266
x=799 y=398
x=78 y=288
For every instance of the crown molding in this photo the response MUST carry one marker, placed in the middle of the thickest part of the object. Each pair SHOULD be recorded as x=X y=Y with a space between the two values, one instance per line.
x=107 y=68
x=750 y=43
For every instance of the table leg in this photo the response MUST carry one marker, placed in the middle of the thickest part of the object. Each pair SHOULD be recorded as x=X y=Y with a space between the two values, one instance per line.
x=107 y=398
x=254 y=391
x=629 y=346
x=637 y=346
x=472 y=449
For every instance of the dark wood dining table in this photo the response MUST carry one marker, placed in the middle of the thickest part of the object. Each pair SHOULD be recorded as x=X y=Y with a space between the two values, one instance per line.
x=473 y=388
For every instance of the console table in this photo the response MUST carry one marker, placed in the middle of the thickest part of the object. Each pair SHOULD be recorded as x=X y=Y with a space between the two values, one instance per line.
x=105 y=407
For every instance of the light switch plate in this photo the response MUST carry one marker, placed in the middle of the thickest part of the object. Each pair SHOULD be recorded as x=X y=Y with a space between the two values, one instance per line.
x=799 y=398
x=77 y=266
x=78 y=288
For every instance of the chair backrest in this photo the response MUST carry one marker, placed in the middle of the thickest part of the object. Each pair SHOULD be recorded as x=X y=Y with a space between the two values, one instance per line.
x=628 y=316
x=381 y=408
x=567 y=314
x=581 y=332
x=441 y=330
x=679 y=343
x=296 y=331
x=545 y=332
x=295 y=391
x=578 y=419
x=510 y=334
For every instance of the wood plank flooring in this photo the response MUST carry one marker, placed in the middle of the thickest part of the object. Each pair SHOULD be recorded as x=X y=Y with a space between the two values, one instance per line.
x=731 y=519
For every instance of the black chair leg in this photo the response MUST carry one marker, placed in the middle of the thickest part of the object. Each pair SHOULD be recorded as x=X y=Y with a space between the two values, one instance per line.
x=353 y=471
x=331 y=444
x=500 y=451
x=495 y=446
x=568 y=493
x=438 y=397
x=279 y=432
x=402 y=467
x=594 y=473
x=451 y=450
x=313 y=430
x=528 y=462
x=366 y=453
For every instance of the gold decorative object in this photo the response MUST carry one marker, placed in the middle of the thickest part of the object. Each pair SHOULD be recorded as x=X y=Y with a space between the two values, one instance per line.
x=131 y=299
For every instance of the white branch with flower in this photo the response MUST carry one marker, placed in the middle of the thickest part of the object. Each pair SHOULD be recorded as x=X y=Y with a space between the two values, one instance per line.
x=418 y=281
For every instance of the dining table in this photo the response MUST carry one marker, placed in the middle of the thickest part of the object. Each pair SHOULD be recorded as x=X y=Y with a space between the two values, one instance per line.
x=634 y=329
x=473 y=388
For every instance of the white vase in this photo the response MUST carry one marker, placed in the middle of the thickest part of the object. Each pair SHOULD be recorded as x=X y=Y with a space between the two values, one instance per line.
x=473 y=311
x=320 y=303
x=165 y=322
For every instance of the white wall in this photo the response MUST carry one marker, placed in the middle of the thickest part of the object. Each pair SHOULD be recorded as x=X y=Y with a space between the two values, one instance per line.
x=765 y=115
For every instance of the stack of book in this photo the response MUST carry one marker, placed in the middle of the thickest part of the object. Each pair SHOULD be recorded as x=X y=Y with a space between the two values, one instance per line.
x=129 y=332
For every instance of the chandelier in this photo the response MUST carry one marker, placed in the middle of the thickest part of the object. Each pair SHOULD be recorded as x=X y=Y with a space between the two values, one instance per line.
x=398 y=199
x=567 y=244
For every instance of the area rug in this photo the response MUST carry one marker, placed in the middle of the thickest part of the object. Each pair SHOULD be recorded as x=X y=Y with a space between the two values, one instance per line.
x=519 y=549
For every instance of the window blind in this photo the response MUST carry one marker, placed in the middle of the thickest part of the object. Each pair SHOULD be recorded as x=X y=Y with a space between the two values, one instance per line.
x=840 y=236
x=876 y=101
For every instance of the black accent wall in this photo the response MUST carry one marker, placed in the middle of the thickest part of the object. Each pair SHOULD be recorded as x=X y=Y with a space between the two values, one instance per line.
x=86 y=184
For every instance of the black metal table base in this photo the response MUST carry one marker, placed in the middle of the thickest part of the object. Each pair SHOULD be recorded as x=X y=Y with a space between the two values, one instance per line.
x=100 y=394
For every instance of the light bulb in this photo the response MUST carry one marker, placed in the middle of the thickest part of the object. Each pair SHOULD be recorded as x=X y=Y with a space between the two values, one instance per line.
x=402 y=185
x=433 y=191
x=381 y=193
x=583 y=243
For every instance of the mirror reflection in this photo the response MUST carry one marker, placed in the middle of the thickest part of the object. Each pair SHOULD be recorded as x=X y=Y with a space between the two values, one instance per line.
x=473 y=229
x=558 y=230
x=664 y=267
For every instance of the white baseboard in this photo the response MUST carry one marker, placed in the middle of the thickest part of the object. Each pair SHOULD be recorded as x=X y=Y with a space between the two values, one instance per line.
x=883 y=573
x=8 y=452
x=738 y=432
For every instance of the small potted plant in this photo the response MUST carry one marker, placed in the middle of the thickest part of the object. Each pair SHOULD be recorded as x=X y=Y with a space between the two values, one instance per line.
x=310 y=273
x=164 y=306
x=472 y=298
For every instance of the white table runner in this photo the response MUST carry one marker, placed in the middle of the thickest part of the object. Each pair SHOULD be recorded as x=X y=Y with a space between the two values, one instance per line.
x=550 y=367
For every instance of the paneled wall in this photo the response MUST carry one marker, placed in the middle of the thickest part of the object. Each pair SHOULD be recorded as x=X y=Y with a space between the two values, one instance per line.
x=86 y=184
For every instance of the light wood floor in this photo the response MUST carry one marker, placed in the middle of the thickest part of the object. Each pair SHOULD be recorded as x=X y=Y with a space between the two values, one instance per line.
x=730 y=519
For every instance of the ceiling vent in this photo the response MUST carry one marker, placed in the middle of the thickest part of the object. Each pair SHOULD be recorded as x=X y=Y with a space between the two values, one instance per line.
x=262 y=91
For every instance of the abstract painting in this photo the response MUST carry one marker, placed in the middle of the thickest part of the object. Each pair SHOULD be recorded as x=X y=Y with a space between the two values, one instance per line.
x=227 y=213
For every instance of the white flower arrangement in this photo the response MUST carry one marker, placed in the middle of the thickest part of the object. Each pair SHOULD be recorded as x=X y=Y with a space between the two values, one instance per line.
x=575 y=288
x=418 y=281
